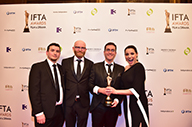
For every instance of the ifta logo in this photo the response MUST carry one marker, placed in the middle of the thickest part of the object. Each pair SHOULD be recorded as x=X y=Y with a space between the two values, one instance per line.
x=149 y=12
x=77 y=30
x=187 y=51
x=94 y=11
x=180 y=21
x=37 y=21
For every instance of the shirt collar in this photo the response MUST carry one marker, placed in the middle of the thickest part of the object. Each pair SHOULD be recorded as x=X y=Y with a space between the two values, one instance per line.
x=51 y=63
x=75 y=59
x=105 y=63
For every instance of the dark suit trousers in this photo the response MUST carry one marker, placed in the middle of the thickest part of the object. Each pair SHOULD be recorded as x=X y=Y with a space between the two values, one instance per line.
x=56 y=121
x=76 y=112
x=104 y=116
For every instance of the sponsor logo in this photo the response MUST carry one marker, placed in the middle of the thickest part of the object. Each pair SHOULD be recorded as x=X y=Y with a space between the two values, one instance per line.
x=187 y=51
x=186 y=70
x=24 y=106
x=77 y=12
x=168 y=50
x=77 y=30
x=149 y=50
x=167 y=91
x=186 y=111
x=25 y=68
x=41 y=49
x=131 y=30
x=112 y=30
x=58 y=29
x=167 y=70
x=24 y=87
x=149 y=97
x=131 y=12
x=5 y=112
x=113 y=11
x=10 y=13
x=94 y=11
x=8 y=49
x=59 y=11
x=94 y=29
x=152 y=70
x=25 y=124
x=94 y=49
x=186 y=91
x=26 y=49
x=150 y=30
x=8 y=87
x=167 y=111
x=9 y=30
x=9 y=67
x=149 y=12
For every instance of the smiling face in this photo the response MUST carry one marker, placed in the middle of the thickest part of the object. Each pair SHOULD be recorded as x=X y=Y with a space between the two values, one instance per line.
x=131 y=56
x=109 y=53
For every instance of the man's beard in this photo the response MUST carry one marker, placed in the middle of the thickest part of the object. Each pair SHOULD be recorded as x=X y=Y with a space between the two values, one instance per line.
x=79 y=54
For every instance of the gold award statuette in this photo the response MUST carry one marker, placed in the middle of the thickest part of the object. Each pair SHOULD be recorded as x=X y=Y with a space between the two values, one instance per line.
x=26 y=29
x=108 y=101
x=167 y=28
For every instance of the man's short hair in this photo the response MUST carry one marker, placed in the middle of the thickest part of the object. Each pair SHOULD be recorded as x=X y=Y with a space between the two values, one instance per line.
x=110 y=43
x=55 y=44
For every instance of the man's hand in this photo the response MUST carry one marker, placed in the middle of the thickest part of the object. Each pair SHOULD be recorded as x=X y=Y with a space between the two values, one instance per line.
x=41 y=119
x=114 y=104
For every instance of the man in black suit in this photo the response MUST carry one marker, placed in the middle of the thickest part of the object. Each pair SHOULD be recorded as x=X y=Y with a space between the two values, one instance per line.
x=46 y=88
x=76 y=73
x=101 y=114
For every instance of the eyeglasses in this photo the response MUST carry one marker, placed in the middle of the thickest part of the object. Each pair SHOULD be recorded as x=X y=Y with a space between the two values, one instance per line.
x=112 y=50
x=82 y=48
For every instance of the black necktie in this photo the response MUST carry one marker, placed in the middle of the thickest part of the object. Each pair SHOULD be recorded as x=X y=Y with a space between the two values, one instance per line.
x=78 y=69
x=109 y=68
x=56 y=83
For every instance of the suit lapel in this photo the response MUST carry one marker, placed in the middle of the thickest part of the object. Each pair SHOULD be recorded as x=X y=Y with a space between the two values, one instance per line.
x=72 y=67
x=114 y=74
x=84 y=68
x=104 y=73
x=49 y=71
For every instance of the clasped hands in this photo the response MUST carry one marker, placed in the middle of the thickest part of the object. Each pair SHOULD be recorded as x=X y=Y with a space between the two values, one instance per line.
x=108 y=91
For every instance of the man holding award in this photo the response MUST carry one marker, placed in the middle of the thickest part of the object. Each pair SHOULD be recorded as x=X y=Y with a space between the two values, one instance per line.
x=105 y=109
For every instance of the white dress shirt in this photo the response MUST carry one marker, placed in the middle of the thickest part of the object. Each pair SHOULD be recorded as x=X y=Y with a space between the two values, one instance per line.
x=81 y=64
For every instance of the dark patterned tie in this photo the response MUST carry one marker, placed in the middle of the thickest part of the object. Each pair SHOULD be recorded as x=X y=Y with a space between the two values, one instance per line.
x=56 y=82
x=78 y=69
x=109 y=68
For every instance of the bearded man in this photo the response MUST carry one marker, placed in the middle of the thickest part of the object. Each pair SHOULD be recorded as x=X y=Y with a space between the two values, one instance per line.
x=76 y=76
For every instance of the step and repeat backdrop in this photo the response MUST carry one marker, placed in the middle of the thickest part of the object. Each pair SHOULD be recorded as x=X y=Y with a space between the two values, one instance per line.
x=161 y=32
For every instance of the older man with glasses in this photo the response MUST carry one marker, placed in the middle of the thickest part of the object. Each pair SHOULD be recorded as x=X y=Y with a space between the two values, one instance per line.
x=76 y=76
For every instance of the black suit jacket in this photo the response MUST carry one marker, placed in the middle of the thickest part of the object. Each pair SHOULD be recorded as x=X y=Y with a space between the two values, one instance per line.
x=76 y=87
x=42 y=91
x=98 y=77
